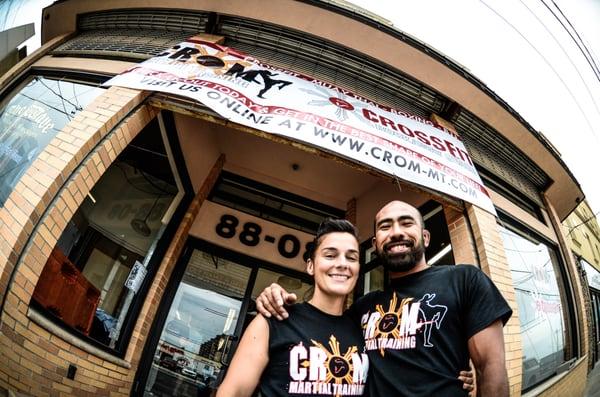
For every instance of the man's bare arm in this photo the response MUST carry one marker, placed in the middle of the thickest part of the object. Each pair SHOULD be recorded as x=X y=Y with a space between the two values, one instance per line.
x=487 y=352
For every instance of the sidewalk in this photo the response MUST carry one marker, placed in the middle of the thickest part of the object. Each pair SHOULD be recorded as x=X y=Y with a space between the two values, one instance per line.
x=593 y=386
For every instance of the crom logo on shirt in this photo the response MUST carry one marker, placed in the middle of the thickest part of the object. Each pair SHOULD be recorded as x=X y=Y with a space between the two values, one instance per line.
x=396 y=327
x=320 y=370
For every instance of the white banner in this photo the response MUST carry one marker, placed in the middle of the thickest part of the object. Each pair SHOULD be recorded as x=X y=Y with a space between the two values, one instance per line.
x=246 y=91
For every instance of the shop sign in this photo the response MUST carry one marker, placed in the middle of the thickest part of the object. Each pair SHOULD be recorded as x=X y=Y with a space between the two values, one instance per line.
x=251 y=236
x=592 y=274
x=275 y=100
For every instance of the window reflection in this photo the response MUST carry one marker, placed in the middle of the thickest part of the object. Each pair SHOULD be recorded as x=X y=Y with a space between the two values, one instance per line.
x=30 y=118
x=292 y=284
x=541 y=312
x=199 y=328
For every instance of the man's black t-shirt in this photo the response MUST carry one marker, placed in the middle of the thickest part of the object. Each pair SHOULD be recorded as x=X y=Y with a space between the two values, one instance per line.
x=313 y=353
x=416 y=331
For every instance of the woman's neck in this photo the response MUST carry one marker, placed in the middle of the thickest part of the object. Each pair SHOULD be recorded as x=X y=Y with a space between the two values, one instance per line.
x=329 y=304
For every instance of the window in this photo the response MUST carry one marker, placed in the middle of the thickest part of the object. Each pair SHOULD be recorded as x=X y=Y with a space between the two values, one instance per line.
x=542 y=310
x=291 y=284
x=30 y=117
x=93 y=276
x=592 y=274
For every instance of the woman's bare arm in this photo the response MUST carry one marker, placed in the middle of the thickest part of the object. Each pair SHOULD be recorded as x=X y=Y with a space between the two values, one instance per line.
x=249 y=361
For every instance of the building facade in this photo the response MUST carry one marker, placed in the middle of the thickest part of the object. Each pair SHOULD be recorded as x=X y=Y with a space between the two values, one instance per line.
x=584 y=239
x=139 y=225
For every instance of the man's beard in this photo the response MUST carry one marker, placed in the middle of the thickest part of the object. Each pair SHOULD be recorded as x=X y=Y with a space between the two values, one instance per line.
x=403 y=262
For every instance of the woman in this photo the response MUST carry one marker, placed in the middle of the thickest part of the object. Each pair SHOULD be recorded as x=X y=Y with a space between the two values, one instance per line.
x=317 y=350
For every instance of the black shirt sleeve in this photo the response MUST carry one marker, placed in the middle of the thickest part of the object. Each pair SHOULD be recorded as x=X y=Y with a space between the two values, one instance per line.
x=485 y=304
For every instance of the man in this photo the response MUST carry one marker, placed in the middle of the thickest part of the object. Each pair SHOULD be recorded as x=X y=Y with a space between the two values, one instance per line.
x=423 y=328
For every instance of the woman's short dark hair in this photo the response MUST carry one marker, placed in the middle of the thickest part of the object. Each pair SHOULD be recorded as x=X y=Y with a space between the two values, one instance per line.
x=329 y=225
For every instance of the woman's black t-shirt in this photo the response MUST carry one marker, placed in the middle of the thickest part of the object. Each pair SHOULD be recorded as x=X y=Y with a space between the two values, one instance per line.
x=313 y=353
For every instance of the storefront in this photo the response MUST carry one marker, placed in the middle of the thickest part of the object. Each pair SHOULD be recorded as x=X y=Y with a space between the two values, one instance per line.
x=141 y=223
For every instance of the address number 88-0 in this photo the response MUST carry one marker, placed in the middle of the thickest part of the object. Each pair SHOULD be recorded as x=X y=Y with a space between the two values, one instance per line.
x=288 y=245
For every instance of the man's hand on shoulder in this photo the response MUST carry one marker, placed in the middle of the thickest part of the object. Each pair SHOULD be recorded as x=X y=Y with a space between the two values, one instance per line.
x=271 y=301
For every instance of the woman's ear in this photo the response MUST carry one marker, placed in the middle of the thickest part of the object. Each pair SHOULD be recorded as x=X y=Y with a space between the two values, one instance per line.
x=310 y=267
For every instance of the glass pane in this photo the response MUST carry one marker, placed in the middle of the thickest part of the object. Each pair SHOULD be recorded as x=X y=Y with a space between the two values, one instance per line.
x=30 y=118
x=99 y=262
x=532 y=266
x=199 y=328
x=592 y=275
x=439 y=251
x=291 y=284
x=374 y=280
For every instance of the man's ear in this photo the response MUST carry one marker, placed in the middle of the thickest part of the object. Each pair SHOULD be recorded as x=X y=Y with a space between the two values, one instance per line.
x=310 y=267
x=374 y=243
x=426 y=237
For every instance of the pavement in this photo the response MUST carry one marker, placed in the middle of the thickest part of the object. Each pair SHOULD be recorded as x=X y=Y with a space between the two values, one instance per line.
x=593 y=384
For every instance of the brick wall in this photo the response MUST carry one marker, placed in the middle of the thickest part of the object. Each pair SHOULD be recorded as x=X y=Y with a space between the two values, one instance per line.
x=35 y=361
x=571 y=385
x=11 y=243
x=492 y=260
x=33 y=218
x=463 y=245
x=476 y=239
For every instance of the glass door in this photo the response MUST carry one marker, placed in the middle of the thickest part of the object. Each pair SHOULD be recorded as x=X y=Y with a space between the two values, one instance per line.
x=199 y=329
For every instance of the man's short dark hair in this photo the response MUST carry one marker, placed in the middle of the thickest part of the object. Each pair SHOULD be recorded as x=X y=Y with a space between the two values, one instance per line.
x=329 y=225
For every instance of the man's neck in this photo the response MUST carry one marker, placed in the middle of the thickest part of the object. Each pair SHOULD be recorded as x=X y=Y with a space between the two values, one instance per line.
x=419 y=267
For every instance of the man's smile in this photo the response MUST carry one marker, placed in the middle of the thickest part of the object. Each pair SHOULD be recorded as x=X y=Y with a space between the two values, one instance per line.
x=399 y=247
